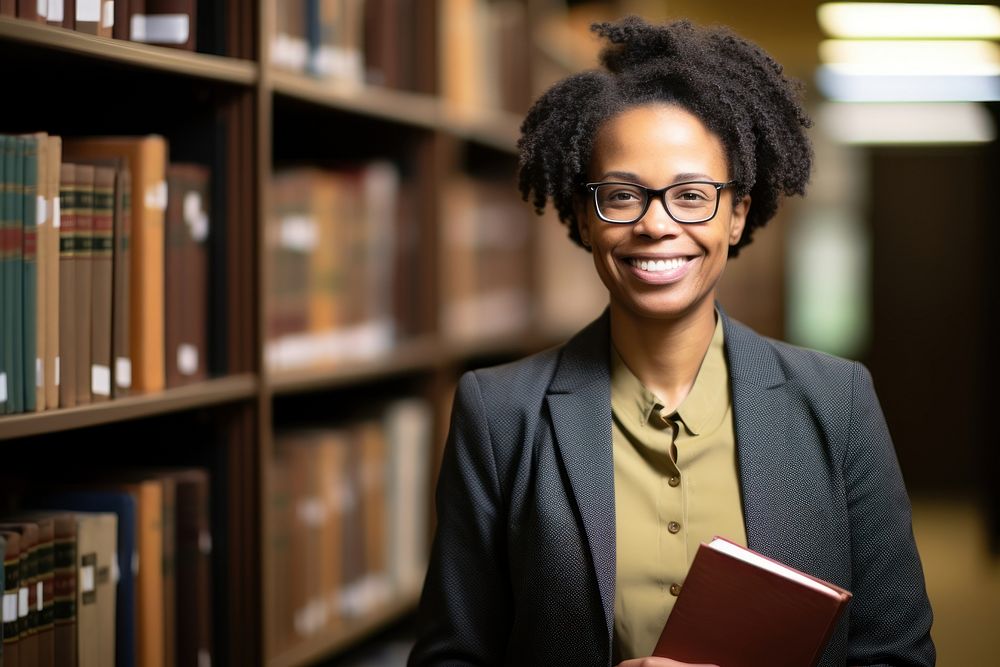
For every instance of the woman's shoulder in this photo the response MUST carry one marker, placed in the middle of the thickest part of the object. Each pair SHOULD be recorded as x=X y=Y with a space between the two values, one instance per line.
x=520 y=380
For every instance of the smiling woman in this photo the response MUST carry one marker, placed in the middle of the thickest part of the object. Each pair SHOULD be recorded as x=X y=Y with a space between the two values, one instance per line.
x=577 y=484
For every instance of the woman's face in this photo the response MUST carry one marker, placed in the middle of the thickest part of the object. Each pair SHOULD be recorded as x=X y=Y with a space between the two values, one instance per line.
x=656 y=267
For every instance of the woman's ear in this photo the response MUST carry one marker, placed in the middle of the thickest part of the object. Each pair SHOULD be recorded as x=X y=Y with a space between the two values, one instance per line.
x=738 y=220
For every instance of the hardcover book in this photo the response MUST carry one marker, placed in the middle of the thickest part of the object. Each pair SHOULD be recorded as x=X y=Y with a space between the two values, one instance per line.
x=740 y=609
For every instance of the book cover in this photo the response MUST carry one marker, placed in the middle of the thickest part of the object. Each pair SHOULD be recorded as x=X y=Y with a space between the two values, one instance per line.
x=102 y=252
x=60 y=607
x=149 y=592
x=5 y=318
x=84 y=279
x=95 y=17
x=15 y=276
x=3 y=583
x=123 y=506
x=146 y=158
x=67 y=286
x=52 y=264
x=57 y=13
x=186 y=267
x=95 y=601
x=740 y=609
x=11 y=593
x=45 y=589
x=193 y=571
x=28 y=209
x=32 y=10
x=39 y=208
x=123 y=9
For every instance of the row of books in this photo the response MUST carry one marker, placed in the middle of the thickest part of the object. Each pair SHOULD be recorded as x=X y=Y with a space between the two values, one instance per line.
x=163 y=22
x=349 y=510
x=114 y=573
x=482 y=58
x=99 y=298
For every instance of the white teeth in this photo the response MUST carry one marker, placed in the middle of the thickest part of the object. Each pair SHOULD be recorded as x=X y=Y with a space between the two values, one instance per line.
x=658 y=265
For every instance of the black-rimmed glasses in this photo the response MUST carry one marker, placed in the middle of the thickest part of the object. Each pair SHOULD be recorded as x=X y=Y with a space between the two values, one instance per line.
x=624 y=203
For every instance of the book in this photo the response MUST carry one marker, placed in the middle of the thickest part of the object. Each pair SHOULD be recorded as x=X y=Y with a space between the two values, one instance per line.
x=102 y=280
x=6 y=308
x=740 y=609
x=60 y=608
x=35 y=244
x=193 y=571
x=123 y=9
x=27 y=604
x=45 y=590
x=95 y=17
x=11 y=594
x=67 y=289
x=97 y=534
x=84 y=280
x=122 y=267
x=33 y=10
x=186 y=274
x=14 y=283
x=52 y=264
x=146 y=158
x=163 y=22
x=3 y=586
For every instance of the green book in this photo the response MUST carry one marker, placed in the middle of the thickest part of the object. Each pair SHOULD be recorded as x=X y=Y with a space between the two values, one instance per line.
x=29 y=269
x=15 y=218
x=12 y=272
x=5 y=389
x=3 y=580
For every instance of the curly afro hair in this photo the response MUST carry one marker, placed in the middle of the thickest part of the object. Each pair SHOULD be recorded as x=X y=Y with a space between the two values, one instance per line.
x=730 y=84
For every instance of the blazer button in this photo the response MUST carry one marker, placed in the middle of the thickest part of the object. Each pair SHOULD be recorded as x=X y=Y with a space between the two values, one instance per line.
x=674 y=527
x=675 y=589
x=674 y=481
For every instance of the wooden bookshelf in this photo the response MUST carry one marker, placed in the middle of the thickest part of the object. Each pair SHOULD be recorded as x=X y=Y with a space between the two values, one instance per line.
x=226 y=111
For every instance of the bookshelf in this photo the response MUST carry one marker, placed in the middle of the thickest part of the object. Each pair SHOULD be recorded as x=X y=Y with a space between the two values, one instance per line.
x=230 y=107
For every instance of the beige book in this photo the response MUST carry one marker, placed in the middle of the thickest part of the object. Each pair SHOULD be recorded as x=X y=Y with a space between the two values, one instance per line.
x=52 y=291
x=96 y=542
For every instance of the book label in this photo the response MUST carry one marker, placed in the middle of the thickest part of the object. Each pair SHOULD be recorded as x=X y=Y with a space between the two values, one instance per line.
x=22 y=603
x=100 y=380
x=88 y=10
x=108 y=14
x=10 y=607
x=204 y=658
x=42 y=206
x=39 y=372
x=88 y=578
x=56 y=11
x=39 y=596
x=58 y=368
x=156 y=195
x=123 y=372
x=3 y=387
x=56 y=214
x=187 y=359
x=161 y=28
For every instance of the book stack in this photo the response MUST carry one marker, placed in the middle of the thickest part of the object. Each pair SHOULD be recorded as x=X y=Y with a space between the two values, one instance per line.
x=331 y=240
x=114 y=573
x=162 y=22
x=95 y=302
x=349 y=509
x=486 y=261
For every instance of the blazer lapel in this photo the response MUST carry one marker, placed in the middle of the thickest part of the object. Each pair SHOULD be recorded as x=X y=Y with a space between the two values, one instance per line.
x=579 y=402
x=759 y=407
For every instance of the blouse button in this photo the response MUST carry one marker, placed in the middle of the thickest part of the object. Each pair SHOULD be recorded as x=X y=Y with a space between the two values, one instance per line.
x=674 y=527
x=675 y=589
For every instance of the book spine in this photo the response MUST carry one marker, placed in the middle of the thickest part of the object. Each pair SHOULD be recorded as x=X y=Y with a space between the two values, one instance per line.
x=84 y=279
x=67 y=279
x=102 y=266
x=121 y=355
x=64 y=589
x=42 y=261
x=29 y=270
x=12 y=586
x=5 y=335
x=15 y=203
x=52 y=274
x=45 y=605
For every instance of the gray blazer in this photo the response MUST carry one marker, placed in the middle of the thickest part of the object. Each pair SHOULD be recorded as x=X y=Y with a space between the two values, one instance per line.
x=522 y=570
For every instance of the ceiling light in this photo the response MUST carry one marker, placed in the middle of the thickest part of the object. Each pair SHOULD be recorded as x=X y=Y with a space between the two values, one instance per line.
x=959 y=57
x=912 y=124
x=902 y=20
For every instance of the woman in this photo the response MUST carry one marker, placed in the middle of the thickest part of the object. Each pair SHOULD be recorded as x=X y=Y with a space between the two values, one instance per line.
x=577 y=483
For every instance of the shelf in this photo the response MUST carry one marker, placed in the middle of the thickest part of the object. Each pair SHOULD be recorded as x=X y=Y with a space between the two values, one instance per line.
x=497 y=130
x=322 y=646
x=418 y=355
x=210 y=392
x=199 y=65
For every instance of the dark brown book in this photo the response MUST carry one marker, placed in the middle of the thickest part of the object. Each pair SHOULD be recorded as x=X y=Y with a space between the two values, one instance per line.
x=67 y=289
x=186 y=279
x=83 y=286
x=45 y=585
x=11 y=588
x=8 y=7
x=164 y=22
x=193 y=568
x=121 y=28
x=64 y=589
x=102 y=251
x=740 y=609
x=28 y=10
x=69 y=14
x=27 y=602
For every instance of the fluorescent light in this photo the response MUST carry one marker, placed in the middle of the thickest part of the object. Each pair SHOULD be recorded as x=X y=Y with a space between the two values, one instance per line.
x=959 y=57
x=956 y=123
x=877 y=19
x=839 y=86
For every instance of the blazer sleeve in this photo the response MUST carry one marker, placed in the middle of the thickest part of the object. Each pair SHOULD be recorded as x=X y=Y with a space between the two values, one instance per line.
x=465 y=609
x=890 y=615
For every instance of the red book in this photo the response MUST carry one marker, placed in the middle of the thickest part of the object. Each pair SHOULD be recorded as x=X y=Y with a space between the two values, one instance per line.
x=741 y=609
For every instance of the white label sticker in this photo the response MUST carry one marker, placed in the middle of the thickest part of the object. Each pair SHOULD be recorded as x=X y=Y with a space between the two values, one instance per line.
x=87 y=579
x=22 y=602
x=39 y=596
x=299 y=232
x=204 y=658
x=205 y=542
x=88 y=10
x=108 y=19
x=123 y=372
x=187 y=359
x=195 y=217
x=56 y=12
x=58 y=368
x=156 y=196
x=42 y=210
x=100 y=380
x=3 y=387
x=43 y=8
x=10 y=607
x=39 y=372
x=56 y=214
x=160 y=28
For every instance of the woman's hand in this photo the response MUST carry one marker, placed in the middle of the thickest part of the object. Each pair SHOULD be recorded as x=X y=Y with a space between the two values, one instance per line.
x=659 y=662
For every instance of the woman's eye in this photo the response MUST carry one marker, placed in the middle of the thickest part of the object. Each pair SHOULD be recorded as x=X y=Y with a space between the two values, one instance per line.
x=691 y=195
x=623 y=196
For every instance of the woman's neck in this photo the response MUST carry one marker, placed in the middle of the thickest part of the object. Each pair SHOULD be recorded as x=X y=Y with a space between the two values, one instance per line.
x=665 y=355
